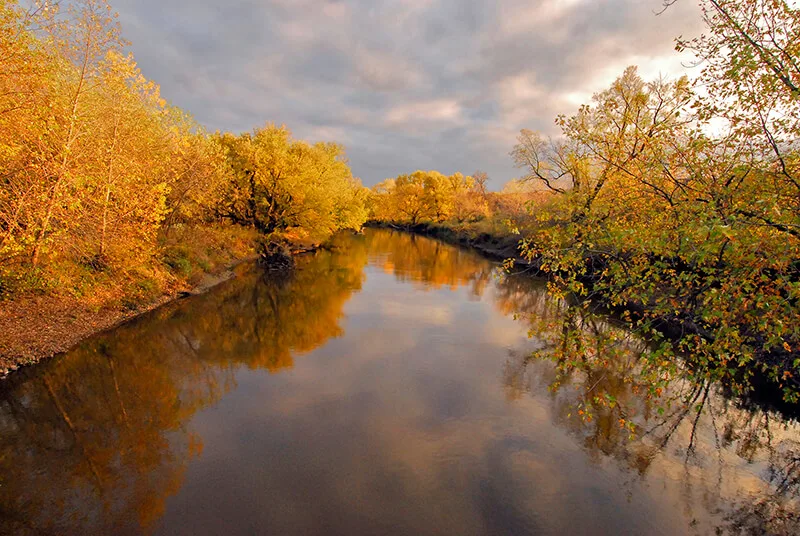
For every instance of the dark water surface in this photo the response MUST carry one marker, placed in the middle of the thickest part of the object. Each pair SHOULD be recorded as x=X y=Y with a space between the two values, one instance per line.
x=388 y=388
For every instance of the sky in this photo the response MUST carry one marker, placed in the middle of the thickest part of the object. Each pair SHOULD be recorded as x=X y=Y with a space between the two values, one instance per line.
x=402 y=84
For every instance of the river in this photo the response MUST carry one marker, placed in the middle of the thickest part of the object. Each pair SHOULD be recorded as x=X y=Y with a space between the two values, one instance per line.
x=393 y=385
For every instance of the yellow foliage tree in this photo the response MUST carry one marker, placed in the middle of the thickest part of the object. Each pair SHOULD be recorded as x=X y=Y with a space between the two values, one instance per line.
x=289 y=187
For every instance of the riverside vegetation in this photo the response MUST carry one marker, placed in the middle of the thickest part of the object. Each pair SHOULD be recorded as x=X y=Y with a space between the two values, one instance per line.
x=110 y=197
x=308 y=377
x=676 y=206
x=677 y=203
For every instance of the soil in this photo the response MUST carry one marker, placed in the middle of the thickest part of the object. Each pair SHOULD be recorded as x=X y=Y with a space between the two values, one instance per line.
x=33 y=328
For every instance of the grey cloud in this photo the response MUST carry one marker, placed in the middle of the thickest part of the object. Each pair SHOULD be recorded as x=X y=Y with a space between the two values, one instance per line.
x=405 y=84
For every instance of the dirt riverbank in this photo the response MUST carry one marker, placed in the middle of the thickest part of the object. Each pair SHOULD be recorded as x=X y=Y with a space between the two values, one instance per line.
x=40 y=326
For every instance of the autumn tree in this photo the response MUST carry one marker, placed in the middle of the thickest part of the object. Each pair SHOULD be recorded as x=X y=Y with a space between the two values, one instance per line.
x=651 y=211
x=515 y=199
x=123 y=188
x=429 y=196
x=98 y=174
x=26 y=65
x=481 y=179
x=469 y=198
x=197 y=174
x=280 y=185
x=751 y=67
x=413 y=203
x=83 y=45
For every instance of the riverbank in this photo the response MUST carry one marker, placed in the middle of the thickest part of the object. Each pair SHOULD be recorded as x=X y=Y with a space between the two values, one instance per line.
x=37 y=326
x=40 y=323
x=492 y=245
x=771 y=377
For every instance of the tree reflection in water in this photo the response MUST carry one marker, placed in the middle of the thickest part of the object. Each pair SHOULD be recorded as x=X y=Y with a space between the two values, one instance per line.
x=97 y=438
x=623 y=400
x=432 y=263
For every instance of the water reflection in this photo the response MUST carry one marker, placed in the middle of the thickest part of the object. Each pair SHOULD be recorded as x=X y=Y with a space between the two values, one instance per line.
x=424 y=409
x=625 y=401
x=431 y=263
x=97 y=439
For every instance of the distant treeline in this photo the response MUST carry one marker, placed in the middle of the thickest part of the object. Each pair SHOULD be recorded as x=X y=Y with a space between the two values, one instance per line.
x=677 y=201
x=458 y=199
x=98 y=174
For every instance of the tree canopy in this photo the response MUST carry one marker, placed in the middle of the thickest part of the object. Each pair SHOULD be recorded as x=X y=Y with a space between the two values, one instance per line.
x=97 y=169
x=660 y=210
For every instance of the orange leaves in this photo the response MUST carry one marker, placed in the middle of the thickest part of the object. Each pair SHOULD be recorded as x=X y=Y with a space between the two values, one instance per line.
x=276 y=183
x=96 y=165
x=429 y=196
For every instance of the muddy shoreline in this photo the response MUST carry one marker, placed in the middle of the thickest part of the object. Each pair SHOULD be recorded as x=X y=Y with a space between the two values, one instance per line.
x=36 y=328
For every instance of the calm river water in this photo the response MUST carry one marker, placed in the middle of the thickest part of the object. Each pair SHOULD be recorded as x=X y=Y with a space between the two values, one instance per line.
x=394 y=385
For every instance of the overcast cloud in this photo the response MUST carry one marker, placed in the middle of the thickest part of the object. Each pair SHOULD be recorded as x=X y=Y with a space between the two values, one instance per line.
x=403 y=84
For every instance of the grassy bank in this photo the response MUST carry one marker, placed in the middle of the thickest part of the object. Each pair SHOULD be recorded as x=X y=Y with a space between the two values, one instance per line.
x=60 y=305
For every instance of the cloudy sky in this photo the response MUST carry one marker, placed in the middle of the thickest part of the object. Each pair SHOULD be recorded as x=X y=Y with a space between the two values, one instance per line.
x=403 y=84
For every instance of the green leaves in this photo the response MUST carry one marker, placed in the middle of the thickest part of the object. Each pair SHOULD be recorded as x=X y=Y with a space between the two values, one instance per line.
x=698 y=234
